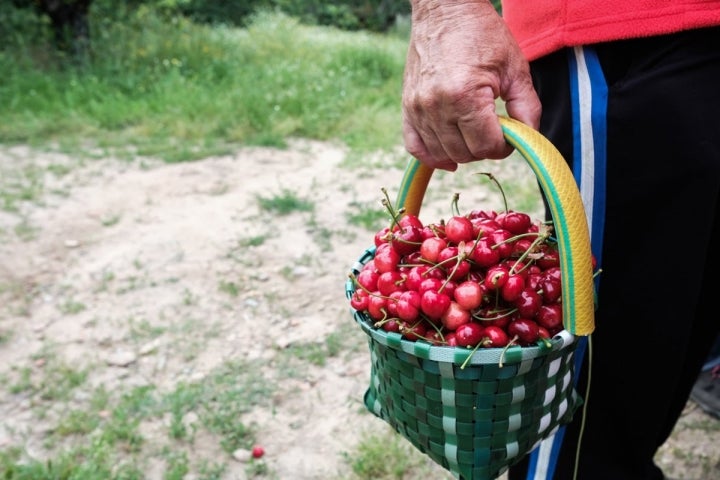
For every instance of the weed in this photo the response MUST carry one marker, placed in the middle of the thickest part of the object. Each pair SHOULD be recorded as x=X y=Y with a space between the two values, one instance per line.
x=284 y=203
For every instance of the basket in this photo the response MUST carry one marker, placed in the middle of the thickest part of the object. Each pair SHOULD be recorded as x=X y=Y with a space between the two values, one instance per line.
x=476 y=413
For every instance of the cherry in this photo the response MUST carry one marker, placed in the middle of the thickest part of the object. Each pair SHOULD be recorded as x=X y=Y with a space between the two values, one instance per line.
x=415 y=276
x=483 y=254
x=469 y=334
x=382 y=236
x=377 y=305
x=257 y=451
x=469 y=295
x=414 y=331
x=496 y=277
x=514 y=285
x=503 y=243
x=495 y=336
x=550 y=317
x=528 y=303
x=430 y=284
x=391 y=325
x=526 y=330
x=409 y=220
x=459 y=229
x=516 y=222
x=549 y=259
x=390 y=282
x=455 y=316
x=386 y=259
x=367 y=279
x=431 y=247
x=434 y=304
x=406 y=240
x=359 y=300
x=483 y=227
x=408 y=305
x=551 y=289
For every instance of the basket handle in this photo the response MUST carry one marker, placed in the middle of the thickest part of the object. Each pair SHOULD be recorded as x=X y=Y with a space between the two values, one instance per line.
x=566 y=207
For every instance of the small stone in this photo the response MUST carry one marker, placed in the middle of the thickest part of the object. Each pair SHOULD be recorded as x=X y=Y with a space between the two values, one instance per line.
x=149 y=347
x=72 y=243
x=121 y=358
x=242 y=455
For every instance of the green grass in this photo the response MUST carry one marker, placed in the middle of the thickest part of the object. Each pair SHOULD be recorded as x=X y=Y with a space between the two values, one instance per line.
x=172 y=89
x=103 y=436
x=284 y=203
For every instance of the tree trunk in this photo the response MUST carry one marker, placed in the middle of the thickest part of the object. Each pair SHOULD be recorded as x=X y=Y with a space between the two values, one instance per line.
x=70 y=25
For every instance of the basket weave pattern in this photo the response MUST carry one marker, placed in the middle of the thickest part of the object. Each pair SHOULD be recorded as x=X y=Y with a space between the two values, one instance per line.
x=473 y=413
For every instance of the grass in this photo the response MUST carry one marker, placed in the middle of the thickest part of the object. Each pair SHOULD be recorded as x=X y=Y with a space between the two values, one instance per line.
x=284 y=203
x=106 y=433
x=171 y=89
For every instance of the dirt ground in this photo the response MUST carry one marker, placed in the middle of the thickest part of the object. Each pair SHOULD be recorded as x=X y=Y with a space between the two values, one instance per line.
x=145 y=273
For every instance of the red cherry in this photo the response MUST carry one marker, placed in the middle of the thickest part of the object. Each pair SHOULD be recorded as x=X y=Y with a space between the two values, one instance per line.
x=514 y=285
x=430 y=284
x=412 y=221
x=257 y=451
x=368 y=279
x=382 y=236
x=406 y=240
x=469 y=295
x=495 y=337
x=377 y=306
x=469 y=334
x=434 y=304
x=390 y=282
x=496 y=277
x=413 y=331
x=550 y=317
x=527 y=331
x=551 y=289
x=483 y=227
x=408 y=306
x=391 y=325
x=459 y=229
x=431 y=247
x=359 y=300
x=483 y=254
x=503 y=244
x=455 y=316
x=386 y=259
x=528 y=303
x=550 y=259
x=516 y=222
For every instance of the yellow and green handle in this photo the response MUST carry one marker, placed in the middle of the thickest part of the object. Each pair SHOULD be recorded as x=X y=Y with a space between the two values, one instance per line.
x=566 y=207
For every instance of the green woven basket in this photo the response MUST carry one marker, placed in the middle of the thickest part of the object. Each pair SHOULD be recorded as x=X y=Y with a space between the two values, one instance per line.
x=476 y=413
x=478 y=420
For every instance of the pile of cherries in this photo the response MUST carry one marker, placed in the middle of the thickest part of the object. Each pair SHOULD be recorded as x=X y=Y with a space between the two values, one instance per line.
x=483 y=280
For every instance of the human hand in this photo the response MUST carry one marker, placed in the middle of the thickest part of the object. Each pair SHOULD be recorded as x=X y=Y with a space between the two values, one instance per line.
x=461 y=58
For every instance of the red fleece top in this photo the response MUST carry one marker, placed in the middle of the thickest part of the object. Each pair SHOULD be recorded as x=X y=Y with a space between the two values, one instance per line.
x=543 y=26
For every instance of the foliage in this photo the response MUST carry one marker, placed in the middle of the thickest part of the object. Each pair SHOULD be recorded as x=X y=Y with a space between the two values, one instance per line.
x=167 y=87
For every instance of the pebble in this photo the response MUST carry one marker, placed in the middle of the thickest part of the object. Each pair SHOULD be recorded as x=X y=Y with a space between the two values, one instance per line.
x=121 y=358
x=242 y=455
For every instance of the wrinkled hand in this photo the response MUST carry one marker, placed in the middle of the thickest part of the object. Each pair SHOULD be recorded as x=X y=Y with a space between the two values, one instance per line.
x=461 y=58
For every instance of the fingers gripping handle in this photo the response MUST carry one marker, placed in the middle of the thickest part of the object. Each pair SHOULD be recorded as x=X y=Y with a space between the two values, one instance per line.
x=565 y=204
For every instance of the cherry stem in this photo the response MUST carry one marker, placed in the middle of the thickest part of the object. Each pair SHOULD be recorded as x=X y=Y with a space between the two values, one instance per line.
x=454 y=204
x=502 y=192
x=540 y=239
x=504 y=314
x=475 y=348
x=394 y=214
x=505 y=349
